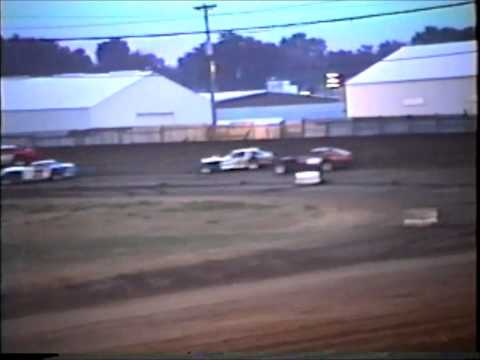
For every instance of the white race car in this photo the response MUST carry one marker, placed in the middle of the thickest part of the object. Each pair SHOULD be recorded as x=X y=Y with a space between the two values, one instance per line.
x=309 y=177
x=38 y=170
x=246 y=158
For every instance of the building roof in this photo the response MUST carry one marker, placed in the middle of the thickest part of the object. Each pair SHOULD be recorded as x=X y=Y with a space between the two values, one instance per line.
x=273 y=99
x=251 y=121
x=227 y=95
x=67 y=91
x=423 y=62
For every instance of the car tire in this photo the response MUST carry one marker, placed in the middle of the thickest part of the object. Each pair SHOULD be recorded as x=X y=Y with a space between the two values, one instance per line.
x=327 y=166
x=280 y=169
x=9 y=179
x=56 y=176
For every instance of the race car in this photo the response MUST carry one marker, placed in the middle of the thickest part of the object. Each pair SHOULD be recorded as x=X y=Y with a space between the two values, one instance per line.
x=246 y=158
x=49 y=169
x=293 y=164
x=309 y=177
x=333 y=158
x=18 y=155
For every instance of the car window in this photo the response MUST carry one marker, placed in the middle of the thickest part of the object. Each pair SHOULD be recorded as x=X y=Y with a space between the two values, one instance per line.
x=238 y=155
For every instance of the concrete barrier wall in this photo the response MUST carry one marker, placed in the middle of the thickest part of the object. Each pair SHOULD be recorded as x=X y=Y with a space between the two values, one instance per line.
x=304 y=129
x=396 y=127
x=313 y=129
x=345 y=129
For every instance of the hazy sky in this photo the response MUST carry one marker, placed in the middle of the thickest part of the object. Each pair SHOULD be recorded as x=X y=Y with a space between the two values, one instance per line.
x=112 y=18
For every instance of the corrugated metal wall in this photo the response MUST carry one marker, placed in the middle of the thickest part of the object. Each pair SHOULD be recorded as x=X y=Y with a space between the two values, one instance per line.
x=442 y=97
x=289 y=113
x=45 y=120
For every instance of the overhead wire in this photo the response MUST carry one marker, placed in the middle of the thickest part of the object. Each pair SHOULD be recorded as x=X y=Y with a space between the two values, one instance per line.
x=307 y=3
x=157 y=20
x=263 y=27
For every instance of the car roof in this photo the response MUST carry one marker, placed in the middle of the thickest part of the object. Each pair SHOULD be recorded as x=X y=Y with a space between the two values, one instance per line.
x=246 y=149
x=8 y=147
x=44 y=162
x=328 y=148
x=324 y=148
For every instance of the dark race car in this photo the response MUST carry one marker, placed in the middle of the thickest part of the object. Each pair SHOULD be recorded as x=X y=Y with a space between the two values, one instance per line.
x=333 y=158
x=293 y=164
x=18 y=155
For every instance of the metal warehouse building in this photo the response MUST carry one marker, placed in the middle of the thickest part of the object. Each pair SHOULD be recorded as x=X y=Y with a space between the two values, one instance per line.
x=437 y=79
x=91 y=101
x=263 y=104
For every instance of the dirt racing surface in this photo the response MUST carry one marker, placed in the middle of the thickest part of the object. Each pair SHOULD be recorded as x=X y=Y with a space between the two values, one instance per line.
x=399 y=151
x=177 y=262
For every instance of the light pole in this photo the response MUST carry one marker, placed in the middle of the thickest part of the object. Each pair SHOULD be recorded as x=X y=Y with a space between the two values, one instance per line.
x=211 y=63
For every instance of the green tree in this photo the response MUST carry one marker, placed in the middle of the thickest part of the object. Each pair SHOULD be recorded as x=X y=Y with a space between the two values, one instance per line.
x=114 y=55
x=302 y=60
x=432 y=35
x=241 y=62
x=388 y=47
x=28 y=56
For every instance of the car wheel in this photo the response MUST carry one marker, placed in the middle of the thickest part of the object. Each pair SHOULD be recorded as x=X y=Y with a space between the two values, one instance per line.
x=56 y=176
x=253 y=165
x=205 y=170
x=11 y=179
x=280 y=169
x=327 y=166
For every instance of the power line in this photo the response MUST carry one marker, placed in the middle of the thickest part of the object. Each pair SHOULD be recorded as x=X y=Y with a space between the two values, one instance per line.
x=307 y=3
x=264 y=27
x=311 y=3
x=157 y=20
x=359 y=17
x=73 y=26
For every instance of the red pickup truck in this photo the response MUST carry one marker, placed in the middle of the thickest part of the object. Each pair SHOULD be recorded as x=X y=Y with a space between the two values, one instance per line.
x=18 y=155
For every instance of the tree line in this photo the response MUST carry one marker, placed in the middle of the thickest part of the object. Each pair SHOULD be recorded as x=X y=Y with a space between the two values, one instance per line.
x=242 y=62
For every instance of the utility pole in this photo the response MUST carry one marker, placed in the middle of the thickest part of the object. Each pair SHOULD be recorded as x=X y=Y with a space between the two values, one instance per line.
x=211 y=63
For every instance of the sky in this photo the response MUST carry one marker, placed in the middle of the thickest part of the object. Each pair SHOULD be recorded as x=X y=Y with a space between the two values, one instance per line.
x=64 y=18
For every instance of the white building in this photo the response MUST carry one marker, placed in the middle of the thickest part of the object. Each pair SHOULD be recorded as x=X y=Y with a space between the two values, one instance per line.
x=88 y=101
x=436 y=79
x=281 y=86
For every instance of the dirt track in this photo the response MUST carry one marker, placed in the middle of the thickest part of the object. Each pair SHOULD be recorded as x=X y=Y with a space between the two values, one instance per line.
x=244 y=261
x=410 y=151
x=353 y=309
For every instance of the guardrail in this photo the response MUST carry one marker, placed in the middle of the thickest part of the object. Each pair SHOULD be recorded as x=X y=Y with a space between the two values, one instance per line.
x=305 y=129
